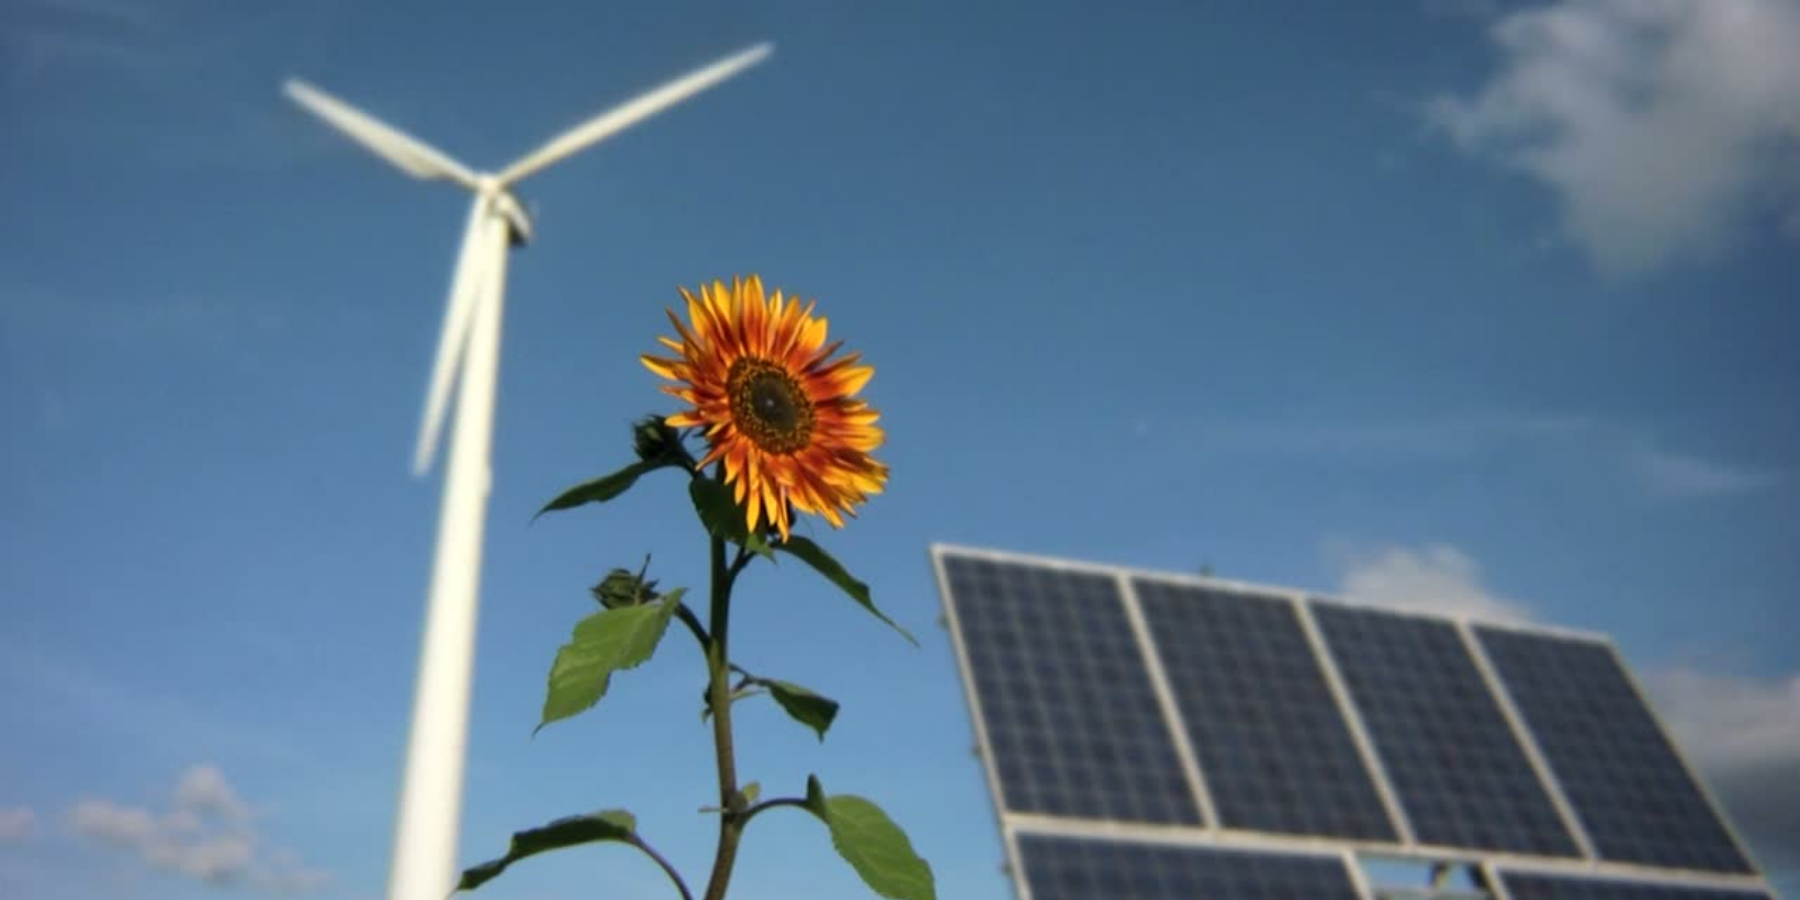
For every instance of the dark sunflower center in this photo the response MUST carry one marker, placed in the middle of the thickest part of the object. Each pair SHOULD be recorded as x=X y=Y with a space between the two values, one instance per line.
x=769 y=406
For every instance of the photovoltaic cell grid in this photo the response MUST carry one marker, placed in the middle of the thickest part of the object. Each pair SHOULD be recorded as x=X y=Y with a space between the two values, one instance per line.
x=1071 y=718
x=1274 y=750
x=1625 y=781
x=1069 y=868
x=1524 y=886
x=1449 y=753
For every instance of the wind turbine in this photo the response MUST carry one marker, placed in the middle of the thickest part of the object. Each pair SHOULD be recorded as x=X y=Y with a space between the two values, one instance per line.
x=424 y=863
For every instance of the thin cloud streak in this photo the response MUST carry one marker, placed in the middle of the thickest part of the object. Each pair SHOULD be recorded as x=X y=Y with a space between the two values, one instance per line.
x=1643 y=458
x=113 y=710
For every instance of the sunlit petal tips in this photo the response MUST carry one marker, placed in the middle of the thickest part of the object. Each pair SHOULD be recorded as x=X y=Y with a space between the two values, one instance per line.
x=775 y=406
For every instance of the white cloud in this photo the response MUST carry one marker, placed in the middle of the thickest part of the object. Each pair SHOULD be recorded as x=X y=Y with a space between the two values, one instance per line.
x=1435 y=578
x=122 y=825
x=209 y=836
x=1665 y=127
x=15 y=823
x=203 y=789
x=1744 y=736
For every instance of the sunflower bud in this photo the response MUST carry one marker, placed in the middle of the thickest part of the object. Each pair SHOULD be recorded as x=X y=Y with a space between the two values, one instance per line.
x=622 y=587
x=654 y=440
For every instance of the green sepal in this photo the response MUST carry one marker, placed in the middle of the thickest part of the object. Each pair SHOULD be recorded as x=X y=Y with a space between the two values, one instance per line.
x=723 y=517
x=623 y=587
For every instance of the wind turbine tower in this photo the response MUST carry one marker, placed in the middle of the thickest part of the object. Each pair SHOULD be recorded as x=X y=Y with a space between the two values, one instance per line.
x=424 y=863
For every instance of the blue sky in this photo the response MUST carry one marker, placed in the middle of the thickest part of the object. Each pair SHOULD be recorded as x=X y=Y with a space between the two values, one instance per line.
x=1452 y=303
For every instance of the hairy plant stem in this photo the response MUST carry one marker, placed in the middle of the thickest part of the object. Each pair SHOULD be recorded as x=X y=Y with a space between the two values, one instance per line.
x=718 y=663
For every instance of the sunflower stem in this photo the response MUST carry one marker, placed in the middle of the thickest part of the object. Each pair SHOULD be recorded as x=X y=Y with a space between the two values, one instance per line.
x=718 y=663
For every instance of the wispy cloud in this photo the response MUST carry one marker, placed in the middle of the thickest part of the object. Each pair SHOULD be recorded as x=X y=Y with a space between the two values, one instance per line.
x=1678 y=475
x=1438 y=578
x=1743 y=733
x=45 y=36
x=1619 y=449
x=206 y=834
x=166 y=322
x=15 y=823
x=1664 y=127
x=131 y=714
x=104 y=74
x=1426 y=437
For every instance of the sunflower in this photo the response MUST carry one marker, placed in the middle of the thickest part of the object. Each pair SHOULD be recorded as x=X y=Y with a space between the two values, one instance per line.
x=774 y=405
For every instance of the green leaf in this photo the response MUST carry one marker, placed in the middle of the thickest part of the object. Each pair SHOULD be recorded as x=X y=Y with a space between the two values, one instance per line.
x=723 y=517
x=814 y=555
x=604 y=643
x=610 y=825
x=810 y=709
x=872 y=844
x=601 y=490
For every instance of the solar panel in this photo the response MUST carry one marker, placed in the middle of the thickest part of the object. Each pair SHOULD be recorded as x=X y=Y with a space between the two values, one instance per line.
x=1624 y=779
x=1072 y=721
x=1266 y=730
x=1150 y=735
x=1088 y=868
x=1537 y=886
x=1452 y=758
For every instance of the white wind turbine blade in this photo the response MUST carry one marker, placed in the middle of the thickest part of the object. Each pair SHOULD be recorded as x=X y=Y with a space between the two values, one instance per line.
x=634 y=111
x=417 y=158
x=459 y=310
x=426 y=834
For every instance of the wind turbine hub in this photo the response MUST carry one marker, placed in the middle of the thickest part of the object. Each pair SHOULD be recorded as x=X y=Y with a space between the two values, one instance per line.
x=519 y=230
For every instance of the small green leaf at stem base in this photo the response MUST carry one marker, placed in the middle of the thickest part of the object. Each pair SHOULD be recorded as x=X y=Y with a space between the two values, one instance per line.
x=603 y=489
x=807 y=708
x=723 y=517
x=872 y=844
x=814 y=555
x=604 y=643
x=609 y=825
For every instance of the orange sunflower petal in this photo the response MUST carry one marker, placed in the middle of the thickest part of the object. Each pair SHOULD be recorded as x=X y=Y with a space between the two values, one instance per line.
x=776 y=405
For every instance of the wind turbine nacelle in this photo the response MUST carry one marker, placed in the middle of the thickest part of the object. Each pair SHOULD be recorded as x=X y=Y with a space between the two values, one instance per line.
x=519 y=229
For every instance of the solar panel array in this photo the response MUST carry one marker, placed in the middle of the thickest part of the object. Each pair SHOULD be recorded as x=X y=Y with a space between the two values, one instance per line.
x=1619 y=771
x=1153 y=736
x=1060 y=867
x=1260 y=714
x=1539 y=886
x=1459 y=772
x=1070 y=712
